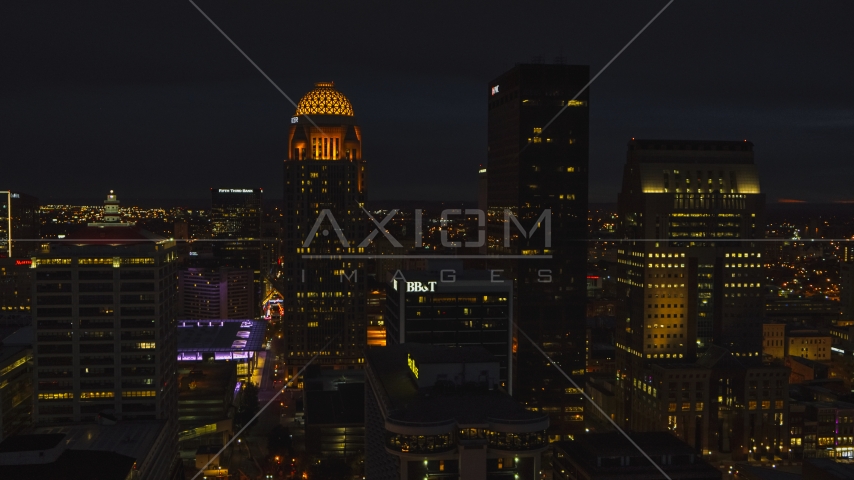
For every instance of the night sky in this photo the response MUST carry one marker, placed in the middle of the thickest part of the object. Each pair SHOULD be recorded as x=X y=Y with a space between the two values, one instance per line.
x=147 y=98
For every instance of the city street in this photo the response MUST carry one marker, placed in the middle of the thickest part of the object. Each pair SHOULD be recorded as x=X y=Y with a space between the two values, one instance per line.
x=249 y=452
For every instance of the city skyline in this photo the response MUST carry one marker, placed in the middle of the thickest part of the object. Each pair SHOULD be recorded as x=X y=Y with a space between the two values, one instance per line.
x=209 y=109
x=657 y=278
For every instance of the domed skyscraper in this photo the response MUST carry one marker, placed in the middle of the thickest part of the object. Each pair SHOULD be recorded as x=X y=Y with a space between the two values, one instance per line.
x=323 y=220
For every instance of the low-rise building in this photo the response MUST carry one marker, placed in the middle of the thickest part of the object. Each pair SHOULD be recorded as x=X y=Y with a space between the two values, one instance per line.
x=435 y=411
x=225 y=340
x=774 y=340
x=334 y=404
x=750 y=405
x=206 y=396
x=600 y=389
x=825 y=469
x=724 y=402
x=610 y=456
x=809 y=344
x=834 y=430
x=797 y=427
x=139 y=450
x=803 y=370
x=780 y=341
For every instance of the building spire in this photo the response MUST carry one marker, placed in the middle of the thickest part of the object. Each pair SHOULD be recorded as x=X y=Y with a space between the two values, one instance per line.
x=112 y=216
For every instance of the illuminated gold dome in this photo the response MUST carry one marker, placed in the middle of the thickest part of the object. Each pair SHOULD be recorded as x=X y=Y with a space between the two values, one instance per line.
x=324 y=100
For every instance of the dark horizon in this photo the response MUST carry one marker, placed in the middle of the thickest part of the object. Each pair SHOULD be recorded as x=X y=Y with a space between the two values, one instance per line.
x=152 y=101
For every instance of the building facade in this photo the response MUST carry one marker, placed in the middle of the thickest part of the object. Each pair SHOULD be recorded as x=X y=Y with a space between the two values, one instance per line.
x=538 y=126
x=436 y=412
x=216 y=293
x=324 y=193
x=688 y=273
x=16 y=388
x=236 y=227
x=236 y=213
x=104 y=305
x=723 y=402
x=455 y=309
x=780 y=341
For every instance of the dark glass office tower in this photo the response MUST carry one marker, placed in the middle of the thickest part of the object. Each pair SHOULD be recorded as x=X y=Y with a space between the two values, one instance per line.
x=236 y=213
x=236 y=223
x=690 y=272
x=324 y=291
x=452 y=308
x=538 y=158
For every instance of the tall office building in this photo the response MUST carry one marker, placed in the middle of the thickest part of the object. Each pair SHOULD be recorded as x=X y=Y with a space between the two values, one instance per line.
x=690 y=272
x=538 y=158
x=215 y=293
x=236 y=224
x=104 y=305
x=236 y=213
x=453 y=308
x=324 y=296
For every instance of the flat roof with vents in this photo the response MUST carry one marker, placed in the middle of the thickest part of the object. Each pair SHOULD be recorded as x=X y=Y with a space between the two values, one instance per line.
x=224 y=339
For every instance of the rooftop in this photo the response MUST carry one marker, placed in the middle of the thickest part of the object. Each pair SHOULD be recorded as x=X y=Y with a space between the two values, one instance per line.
x=427 y=354
x=206 y=380
x=11 y=353
x=336 y=407
x=81 y=451
x=221 y=335
x=112 y=235
x=26 y=443
x=713 y=145
x=595 y=452
x=614 y=444
x=721 y=358
x=807 y=362
x=75 y=465
x=465 y=404
x=20 y=336
x=132 y=439
x=827 y=466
